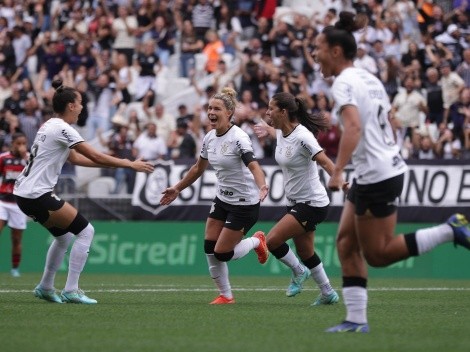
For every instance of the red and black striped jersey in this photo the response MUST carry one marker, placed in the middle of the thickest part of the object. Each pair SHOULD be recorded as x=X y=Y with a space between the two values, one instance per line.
x=10 y=167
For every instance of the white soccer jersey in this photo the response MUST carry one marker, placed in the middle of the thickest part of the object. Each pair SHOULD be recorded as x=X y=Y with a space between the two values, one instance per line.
x=49 y=152
x=294 y=155
x=235 y=182
x=376 y=157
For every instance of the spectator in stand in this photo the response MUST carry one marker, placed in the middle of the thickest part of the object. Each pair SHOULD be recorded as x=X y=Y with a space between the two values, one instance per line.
x=279 y=36
x=202 y=15
x=262 y=34
x=463 y=69
x=454 y=42
x=426 y=148
x=390 y=76
x=76 y=25
x=120 y=145
x=183 y=114
x=164 y=37
x=124 y=29
x=406 y=109
x=413 y=53
x=447 y=146
x=434 y=97
x=15 y=102
x=104 y=35
x=165 y=122
x=183 y=145
x=245 y=11
x=144 y=16
x=452 y=84
x=190 y=45
x=458 y=112
x=330 y=137
x=21 y=43
x=149 y=145
x=100 y=114
x=213 y=50
x=122 y=77
x=30 y=119
x=228 y=28
x=297 y=33
x=148 y=64
x=7 y=55
x=432 y=17
x=54 y=60
x=377 y=52
x=364 y=60
x=81 y=56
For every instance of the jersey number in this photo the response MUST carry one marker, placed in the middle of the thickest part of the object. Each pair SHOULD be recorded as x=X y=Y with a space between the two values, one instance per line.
x=385 y=126
x=32 y=155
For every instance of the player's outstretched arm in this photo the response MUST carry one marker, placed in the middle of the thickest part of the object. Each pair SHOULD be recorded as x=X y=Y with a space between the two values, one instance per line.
x=84 y=154
x=170 y=194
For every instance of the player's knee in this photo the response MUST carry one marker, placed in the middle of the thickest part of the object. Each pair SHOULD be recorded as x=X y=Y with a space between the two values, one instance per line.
x=343 y=245
x=79 y=224
x=209 y=246
x=376 y=260
x=224 y=257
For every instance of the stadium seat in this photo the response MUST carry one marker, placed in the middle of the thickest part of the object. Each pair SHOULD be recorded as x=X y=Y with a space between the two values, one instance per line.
x=101 y=187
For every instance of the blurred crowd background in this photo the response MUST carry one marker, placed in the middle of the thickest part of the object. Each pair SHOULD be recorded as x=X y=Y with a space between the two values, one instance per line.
x=146 y=69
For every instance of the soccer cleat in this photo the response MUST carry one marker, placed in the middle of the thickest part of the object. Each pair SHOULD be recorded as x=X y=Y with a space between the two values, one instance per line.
x=296 y=283
x=15 y=272
x=262 y=249
x=461 y=229
x=347 y=326
x=223 y=300
x=77 y=296
x=332 y=298
x=47 y=295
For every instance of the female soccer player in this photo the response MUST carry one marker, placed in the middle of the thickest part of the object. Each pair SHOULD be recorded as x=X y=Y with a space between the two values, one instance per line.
x=367 y=225
x=11 y=164
x=241 y=186
x=56 y=142
x=298 y=152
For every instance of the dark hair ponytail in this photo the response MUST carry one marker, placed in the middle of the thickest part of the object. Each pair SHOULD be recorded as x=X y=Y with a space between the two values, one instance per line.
x=297 y=110
x=342 y=32
x=62 y=96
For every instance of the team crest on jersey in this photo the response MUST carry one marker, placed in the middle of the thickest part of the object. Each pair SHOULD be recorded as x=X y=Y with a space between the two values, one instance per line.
x=289 y=151
x=224 y=148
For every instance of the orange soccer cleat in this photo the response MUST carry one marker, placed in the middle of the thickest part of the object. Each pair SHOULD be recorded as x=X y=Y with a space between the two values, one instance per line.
x=262 y=250
x=223 y=300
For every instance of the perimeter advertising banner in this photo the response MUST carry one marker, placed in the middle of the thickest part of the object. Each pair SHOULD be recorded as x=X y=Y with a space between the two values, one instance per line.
x=171 y=248
x=432 y=192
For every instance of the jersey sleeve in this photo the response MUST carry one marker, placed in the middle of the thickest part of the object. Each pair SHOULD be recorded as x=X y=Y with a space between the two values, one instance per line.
x=204 y=153
x=310 y=146
x=343 y=94
x=243 y=144
x=69 y=136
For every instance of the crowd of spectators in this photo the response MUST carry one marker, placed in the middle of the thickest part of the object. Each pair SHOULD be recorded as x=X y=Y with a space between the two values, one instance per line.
x=114 y=52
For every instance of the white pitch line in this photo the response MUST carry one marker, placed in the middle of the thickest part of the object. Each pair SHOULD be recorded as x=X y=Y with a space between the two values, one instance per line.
x=253 y=289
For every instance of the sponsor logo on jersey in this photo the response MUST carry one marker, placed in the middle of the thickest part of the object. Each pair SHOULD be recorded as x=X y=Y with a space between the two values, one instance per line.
x=225 y=192
x=303 y=145
x=67 y=137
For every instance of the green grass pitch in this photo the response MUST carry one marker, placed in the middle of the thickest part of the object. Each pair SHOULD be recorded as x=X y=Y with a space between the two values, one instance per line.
x=171 y=313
